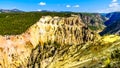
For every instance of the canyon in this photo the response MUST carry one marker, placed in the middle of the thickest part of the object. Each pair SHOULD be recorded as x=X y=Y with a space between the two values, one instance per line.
x=59 y=42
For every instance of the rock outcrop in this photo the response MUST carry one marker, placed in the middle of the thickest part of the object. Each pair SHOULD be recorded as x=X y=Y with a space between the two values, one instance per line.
x=40 y=43
x=114 y=28
x=93 y=20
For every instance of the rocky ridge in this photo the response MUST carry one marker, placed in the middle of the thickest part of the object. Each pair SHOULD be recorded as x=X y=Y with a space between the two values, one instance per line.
x=113 y=24
x=9 y=11
x=59 y=42
x=94 y=21
x=114 y=28
x=49 y=36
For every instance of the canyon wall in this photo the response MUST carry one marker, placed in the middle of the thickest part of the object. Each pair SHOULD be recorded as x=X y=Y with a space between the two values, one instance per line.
x=48 y=35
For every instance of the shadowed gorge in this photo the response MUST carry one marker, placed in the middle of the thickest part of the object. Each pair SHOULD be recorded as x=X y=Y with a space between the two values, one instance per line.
x=113 y=24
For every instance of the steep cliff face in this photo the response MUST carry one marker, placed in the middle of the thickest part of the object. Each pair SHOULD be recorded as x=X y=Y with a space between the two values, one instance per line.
x=113 y=28
x=112 y=17
x=113 y=24
x=103 y=53
x=69 y=30
x=41 y=42
x=94 y=21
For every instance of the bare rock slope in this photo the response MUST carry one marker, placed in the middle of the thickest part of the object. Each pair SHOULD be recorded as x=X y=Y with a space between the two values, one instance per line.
x=47 y=35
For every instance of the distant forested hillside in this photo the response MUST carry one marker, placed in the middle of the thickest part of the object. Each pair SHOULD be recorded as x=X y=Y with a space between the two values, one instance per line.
x=17 y=23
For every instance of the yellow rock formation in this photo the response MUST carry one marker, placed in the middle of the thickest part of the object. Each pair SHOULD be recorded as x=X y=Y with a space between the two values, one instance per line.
x=15 y=50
